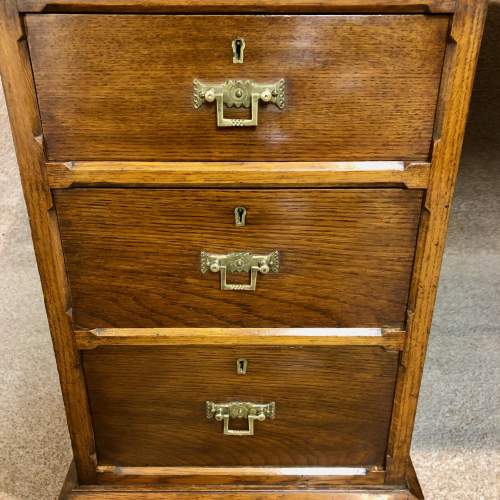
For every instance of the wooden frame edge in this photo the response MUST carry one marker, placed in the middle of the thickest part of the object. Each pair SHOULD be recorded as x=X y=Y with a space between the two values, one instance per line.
x=390 y=339
x=235 y=477
x=26 y=129
x=354 y=493
x=237 y=174
x=413 y=483
x=466 y=32
x=243 y=6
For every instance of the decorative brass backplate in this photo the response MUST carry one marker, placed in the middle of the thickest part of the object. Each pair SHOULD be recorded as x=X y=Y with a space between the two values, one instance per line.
x=240 y=409
x=238 y=93
x=239 y=262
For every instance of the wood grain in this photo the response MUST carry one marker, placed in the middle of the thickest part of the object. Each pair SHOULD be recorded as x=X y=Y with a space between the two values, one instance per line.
x=115 y=108
x=413 y=483
x=229 y=477
x=133 y=256
x=332 y=494
x=114 y=88
x=91 y=339
x=466 y=32
x=26 y=130
x=333 y=405
x=238 y=174
x=229 y=6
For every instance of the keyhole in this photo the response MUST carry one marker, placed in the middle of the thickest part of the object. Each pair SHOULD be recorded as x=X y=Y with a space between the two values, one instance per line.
x=240 y=214
x=241 y=366
x=238 y=50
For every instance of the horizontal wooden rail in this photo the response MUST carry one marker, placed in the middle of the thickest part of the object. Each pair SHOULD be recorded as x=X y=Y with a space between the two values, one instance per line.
x=230 y=6
x=269 y=494
x=238 y=174
x=226 y=477
x=231 y=471
x=386 y=338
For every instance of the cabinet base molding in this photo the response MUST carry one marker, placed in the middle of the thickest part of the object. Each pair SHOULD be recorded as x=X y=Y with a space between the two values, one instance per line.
x=349 y=490
x=335 y=494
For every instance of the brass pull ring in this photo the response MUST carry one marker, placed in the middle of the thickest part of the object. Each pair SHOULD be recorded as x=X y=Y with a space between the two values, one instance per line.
x=239 y=262
x=238 y=409
x=238 y=93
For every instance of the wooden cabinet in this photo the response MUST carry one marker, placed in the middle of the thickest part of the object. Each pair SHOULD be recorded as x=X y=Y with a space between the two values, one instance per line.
x=239 y=212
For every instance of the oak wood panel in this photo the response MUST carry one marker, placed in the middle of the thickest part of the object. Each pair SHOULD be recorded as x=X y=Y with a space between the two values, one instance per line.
x=133 y=256
x=228 y=6
x=26 y=130
x=230 y=477
x=466 y=33
x=333 y=405
x=120 y=87
x=238 y=174
x=91 y=339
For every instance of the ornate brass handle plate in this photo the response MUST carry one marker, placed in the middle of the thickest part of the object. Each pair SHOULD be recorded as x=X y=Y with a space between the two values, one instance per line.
x=238 y=93
x=239 y=262
x=238 y=409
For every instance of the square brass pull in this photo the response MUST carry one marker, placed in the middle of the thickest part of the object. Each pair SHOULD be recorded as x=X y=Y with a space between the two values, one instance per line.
x=238 y=409
x=238 y=93
x=239 y=262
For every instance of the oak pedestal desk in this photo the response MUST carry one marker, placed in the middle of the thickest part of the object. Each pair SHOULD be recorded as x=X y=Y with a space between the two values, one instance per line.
x=239 y=209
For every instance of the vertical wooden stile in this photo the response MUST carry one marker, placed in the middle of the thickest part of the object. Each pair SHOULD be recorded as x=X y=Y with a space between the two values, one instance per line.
x=465 y=39
x=26 y=128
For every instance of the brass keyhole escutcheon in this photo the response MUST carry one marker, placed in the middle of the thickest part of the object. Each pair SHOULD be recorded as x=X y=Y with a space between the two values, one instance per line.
x=240 y=214
x=238 y=45
x=241 y=366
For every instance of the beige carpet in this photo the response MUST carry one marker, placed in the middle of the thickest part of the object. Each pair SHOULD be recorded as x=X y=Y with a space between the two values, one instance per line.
x=456 y=442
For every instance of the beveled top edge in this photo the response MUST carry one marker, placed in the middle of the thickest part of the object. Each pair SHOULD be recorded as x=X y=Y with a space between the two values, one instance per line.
x=238 y=6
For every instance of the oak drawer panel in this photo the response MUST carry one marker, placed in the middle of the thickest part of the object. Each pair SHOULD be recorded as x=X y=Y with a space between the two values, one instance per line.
x=133 y=256
x=359 y=87
x=332 y=405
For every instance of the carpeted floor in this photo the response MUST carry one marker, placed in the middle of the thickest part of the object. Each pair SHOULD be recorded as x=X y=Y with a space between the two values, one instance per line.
x=456 y=442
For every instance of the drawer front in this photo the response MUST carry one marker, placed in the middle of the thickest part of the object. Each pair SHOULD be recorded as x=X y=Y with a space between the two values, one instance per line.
x=133 y=256
x=121 y=87
x=332 y=405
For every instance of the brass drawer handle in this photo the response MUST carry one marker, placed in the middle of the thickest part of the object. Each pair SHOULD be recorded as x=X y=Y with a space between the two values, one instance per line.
x=239 y=262
x=238 y=93
x=239 y=409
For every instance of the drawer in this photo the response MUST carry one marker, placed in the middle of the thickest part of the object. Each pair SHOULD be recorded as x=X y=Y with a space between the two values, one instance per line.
x=332 y=406
x=141 y=257
x=357 y=87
